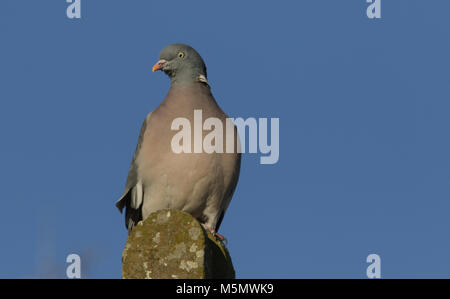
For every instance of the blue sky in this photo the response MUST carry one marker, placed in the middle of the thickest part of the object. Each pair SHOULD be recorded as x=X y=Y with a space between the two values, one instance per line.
x=364 y=146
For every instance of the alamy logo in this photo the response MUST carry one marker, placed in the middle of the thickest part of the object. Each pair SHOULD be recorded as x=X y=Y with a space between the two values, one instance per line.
x=74 y=9
x=374 y=269
x=74 y=268
x=214 y=141
x=374 y=9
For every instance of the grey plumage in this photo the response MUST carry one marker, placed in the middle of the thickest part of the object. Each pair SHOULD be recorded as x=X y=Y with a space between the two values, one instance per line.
x=201 y=184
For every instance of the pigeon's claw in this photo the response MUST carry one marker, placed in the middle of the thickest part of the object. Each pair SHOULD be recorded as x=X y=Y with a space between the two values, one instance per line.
x=215 y=234
x=221 y=237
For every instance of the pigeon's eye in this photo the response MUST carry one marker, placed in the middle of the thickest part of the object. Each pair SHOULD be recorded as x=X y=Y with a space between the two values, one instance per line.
x=181 y=54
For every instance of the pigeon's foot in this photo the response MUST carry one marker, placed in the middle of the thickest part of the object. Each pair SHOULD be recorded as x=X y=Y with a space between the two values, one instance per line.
x=220 y=237
x=215 y=234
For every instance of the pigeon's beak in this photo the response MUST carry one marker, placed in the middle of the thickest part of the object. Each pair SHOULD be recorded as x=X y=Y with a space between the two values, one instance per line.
x=159 y=65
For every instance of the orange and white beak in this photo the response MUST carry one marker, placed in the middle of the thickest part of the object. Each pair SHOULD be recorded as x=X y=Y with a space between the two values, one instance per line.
x=159 y=65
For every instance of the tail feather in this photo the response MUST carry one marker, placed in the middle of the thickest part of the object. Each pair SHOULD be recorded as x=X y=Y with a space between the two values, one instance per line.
x=132 y=215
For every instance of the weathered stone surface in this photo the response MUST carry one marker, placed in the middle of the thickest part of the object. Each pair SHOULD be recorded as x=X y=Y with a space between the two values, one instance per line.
x=173 y=244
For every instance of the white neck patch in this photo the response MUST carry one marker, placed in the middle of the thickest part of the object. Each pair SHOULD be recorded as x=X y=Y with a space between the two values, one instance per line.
x=202 y=78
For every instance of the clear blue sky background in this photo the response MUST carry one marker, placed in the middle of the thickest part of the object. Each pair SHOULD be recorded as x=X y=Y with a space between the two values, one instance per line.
x=364 y=130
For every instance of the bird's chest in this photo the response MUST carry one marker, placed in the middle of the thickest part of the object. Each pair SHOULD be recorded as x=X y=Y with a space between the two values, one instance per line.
x=185 y=182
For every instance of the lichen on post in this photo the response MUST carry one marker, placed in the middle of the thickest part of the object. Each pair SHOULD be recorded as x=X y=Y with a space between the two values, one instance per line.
x=173 y=244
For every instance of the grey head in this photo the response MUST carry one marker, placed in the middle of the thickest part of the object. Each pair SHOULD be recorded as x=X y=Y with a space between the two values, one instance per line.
x=182 y=64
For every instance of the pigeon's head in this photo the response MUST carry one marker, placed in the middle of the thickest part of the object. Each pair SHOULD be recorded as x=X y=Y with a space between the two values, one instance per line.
x=182 y=64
